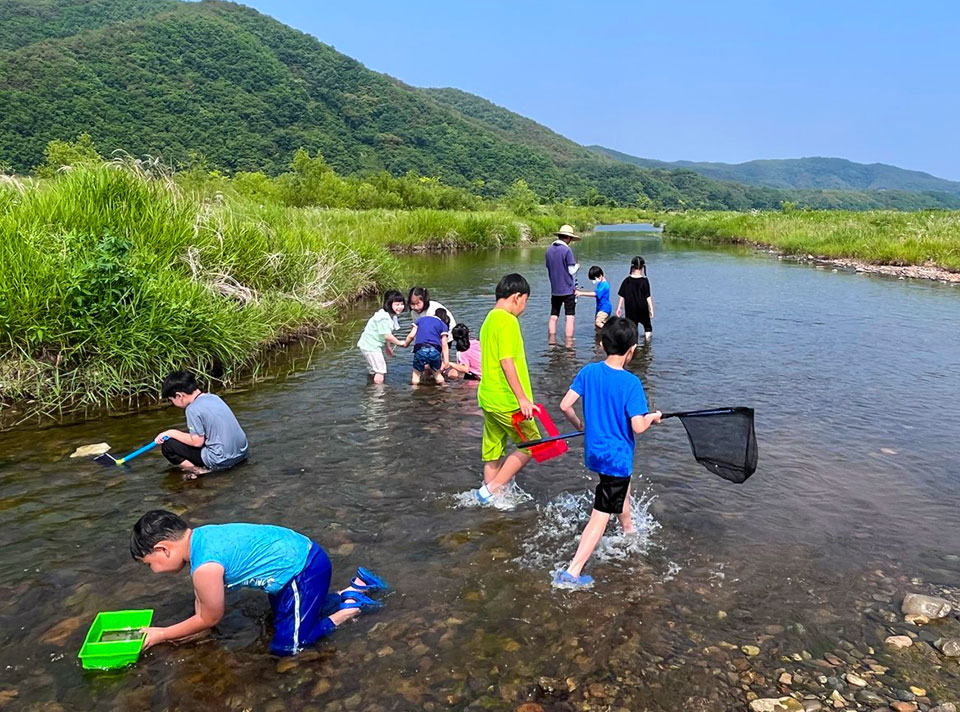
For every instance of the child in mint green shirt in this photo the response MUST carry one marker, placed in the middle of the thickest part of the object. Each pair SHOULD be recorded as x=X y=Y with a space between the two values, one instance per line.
x=378 y=337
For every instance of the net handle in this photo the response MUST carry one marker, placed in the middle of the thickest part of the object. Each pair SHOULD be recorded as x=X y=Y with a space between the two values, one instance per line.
x=709 y=411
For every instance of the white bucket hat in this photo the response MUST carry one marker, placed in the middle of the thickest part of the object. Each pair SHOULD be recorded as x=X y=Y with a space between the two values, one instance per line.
x=567 y=231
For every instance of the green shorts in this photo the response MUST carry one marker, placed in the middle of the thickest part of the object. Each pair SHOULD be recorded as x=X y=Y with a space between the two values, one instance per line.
x=497 y=427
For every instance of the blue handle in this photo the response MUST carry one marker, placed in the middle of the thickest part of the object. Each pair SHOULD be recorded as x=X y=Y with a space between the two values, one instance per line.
x=552 y=438
x=142 y=450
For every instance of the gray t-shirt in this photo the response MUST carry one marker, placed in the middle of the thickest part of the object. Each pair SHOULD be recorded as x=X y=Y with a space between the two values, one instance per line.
x=225 y=443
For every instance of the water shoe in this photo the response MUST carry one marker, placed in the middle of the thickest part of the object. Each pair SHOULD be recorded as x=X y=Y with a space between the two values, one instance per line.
x=355 y=599
x=371 y=582
x=565 y=579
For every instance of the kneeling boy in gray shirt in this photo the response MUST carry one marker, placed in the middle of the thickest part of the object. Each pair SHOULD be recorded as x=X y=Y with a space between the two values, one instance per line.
x=215 y=440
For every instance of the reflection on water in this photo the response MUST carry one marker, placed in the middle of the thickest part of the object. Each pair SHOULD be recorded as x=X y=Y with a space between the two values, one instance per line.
x=855 y=381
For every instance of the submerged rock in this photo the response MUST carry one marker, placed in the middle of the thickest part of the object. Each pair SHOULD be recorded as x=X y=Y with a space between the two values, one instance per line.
x=855 y=680
x=915 y=604
x=871 y=698
x=776 y=704
x=899 y=641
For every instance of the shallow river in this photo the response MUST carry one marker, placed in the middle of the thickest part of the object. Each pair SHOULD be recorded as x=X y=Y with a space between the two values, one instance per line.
x=855 y=381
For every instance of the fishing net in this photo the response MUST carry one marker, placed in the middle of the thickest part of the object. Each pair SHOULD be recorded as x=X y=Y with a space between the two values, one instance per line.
x=723 y=441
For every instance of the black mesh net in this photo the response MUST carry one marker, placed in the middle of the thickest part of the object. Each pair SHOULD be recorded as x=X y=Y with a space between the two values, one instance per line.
x=723 y=441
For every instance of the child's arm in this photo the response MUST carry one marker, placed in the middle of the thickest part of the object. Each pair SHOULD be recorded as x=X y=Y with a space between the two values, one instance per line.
x=185 y=438
x=620 y=307
x=581 y=293
x=650 y=306
x=641 y=422
x=566 y=405
x=461 y=367
x=209 y=605
x=391 y=339
x=411 y=336
x=510 y=373
x=445 y=352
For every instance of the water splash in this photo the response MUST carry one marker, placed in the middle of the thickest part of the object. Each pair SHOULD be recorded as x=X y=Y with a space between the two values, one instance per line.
x=561 y=521
x=507 y=498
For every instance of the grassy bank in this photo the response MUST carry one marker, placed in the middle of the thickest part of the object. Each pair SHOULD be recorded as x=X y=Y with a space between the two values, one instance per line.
x=879 y=237
x=110 y=277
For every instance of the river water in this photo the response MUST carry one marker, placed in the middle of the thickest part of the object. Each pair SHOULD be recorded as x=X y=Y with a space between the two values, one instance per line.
x=855 y=382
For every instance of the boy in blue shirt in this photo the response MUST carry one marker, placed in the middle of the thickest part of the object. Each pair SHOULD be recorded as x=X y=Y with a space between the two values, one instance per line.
x=431 y=348
x=292 y=569
x=615 y=407
x=602 y=293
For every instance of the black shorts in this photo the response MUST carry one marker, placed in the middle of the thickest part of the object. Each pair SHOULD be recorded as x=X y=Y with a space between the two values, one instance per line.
x=567 y=301
x=641 y=320
x=176 y=452
x=611 y=494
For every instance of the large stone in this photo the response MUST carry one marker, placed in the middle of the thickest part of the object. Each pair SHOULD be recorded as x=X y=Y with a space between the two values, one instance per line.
x=899 y=641
x=776 y=704
x=855 y=680
x=903 y=706
x=915 y=604
x=750 y=650
x=949 y=647
x=945 y=707
x=870 y=698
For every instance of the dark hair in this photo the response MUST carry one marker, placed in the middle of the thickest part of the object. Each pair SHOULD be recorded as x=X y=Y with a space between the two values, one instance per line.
x=391 y=298
x=443 y=316
x=595 y=272
x=638 y=263
x=461 y=336
x=153 y=527
x=511 y=284
x=179 y=382
x=618 y=335
x=421 y=292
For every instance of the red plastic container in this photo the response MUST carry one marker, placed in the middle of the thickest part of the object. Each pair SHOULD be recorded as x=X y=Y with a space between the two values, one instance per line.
x=543 y=452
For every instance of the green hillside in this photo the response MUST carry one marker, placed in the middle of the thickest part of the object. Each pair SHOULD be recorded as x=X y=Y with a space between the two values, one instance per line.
x=223 y=82
x=804 y=173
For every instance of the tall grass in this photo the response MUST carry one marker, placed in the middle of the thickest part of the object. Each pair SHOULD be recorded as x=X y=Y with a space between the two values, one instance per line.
x=112 y=274
x=878 y=237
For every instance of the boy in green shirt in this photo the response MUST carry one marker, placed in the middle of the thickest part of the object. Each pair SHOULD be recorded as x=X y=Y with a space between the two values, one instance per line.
x=505 y=387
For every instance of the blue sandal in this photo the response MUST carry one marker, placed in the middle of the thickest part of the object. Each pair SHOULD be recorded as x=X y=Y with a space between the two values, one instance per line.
x=371 y=582
x=355 y=599
x=564 y=579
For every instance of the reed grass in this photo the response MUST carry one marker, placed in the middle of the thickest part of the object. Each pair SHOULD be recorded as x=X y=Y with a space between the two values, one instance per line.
x=113 y=274
x=929 y=238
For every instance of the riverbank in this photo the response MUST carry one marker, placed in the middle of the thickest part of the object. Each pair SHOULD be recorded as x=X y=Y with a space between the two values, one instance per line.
x=110 y=277
x=923 y=245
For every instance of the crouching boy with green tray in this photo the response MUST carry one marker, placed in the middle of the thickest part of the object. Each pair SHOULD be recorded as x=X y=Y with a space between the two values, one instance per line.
x=505 y=387
x=293 y=570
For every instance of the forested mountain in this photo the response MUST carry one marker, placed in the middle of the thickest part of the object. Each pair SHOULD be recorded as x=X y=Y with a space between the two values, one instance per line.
x=804 y=173
x=222 y=81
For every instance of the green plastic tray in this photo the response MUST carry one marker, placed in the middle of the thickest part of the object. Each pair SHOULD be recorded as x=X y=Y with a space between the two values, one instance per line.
x=97 y=654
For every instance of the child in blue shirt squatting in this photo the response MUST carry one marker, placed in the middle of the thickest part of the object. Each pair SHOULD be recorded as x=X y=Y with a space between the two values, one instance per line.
x=614 y=407
x=602 y=293
x=431 y=347
x=293 y=570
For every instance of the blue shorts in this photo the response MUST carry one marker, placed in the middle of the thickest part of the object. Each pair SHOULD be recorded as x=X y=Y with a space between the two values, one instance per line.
x=300 y=608
x=427 y=355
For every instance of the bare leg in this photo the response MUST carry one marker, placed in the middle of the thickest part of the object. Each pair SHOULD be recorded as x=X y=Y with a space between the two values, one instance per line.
x=191 y=471
x=453 y=374
x=438 y=377
x=415 y=377
x=626 y=520
x=507 y=471
x=592 y=534
x=378 y=378
x=552 y=325
x=569 y=326
x=490 y=470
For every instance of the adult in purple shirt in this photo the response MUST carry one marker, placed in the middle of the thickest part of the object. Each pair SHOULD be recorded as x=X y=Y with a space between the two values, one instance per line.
x=561 y=266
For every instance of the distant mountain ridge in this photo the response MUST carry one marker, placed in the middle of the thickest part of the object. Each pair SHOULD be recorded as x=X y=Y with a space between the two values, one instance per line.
x=221 y=85
x=813 y=173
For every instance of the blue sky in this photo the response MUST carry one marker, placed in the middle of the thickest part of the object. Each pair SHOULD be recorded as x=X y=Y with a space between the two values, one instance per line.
x=715 y=81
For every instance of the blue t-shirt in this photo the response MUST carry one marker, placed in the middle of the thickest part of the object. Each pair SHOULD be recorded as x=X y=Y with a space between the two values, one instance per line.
x=430 y=331
x=611 y=397
x=252 y=555
x=603 y=297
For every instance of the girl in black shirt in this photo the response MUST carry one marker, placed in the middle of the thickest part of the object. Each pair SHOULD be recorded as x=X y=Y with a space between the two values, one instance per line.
x=635 y=296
